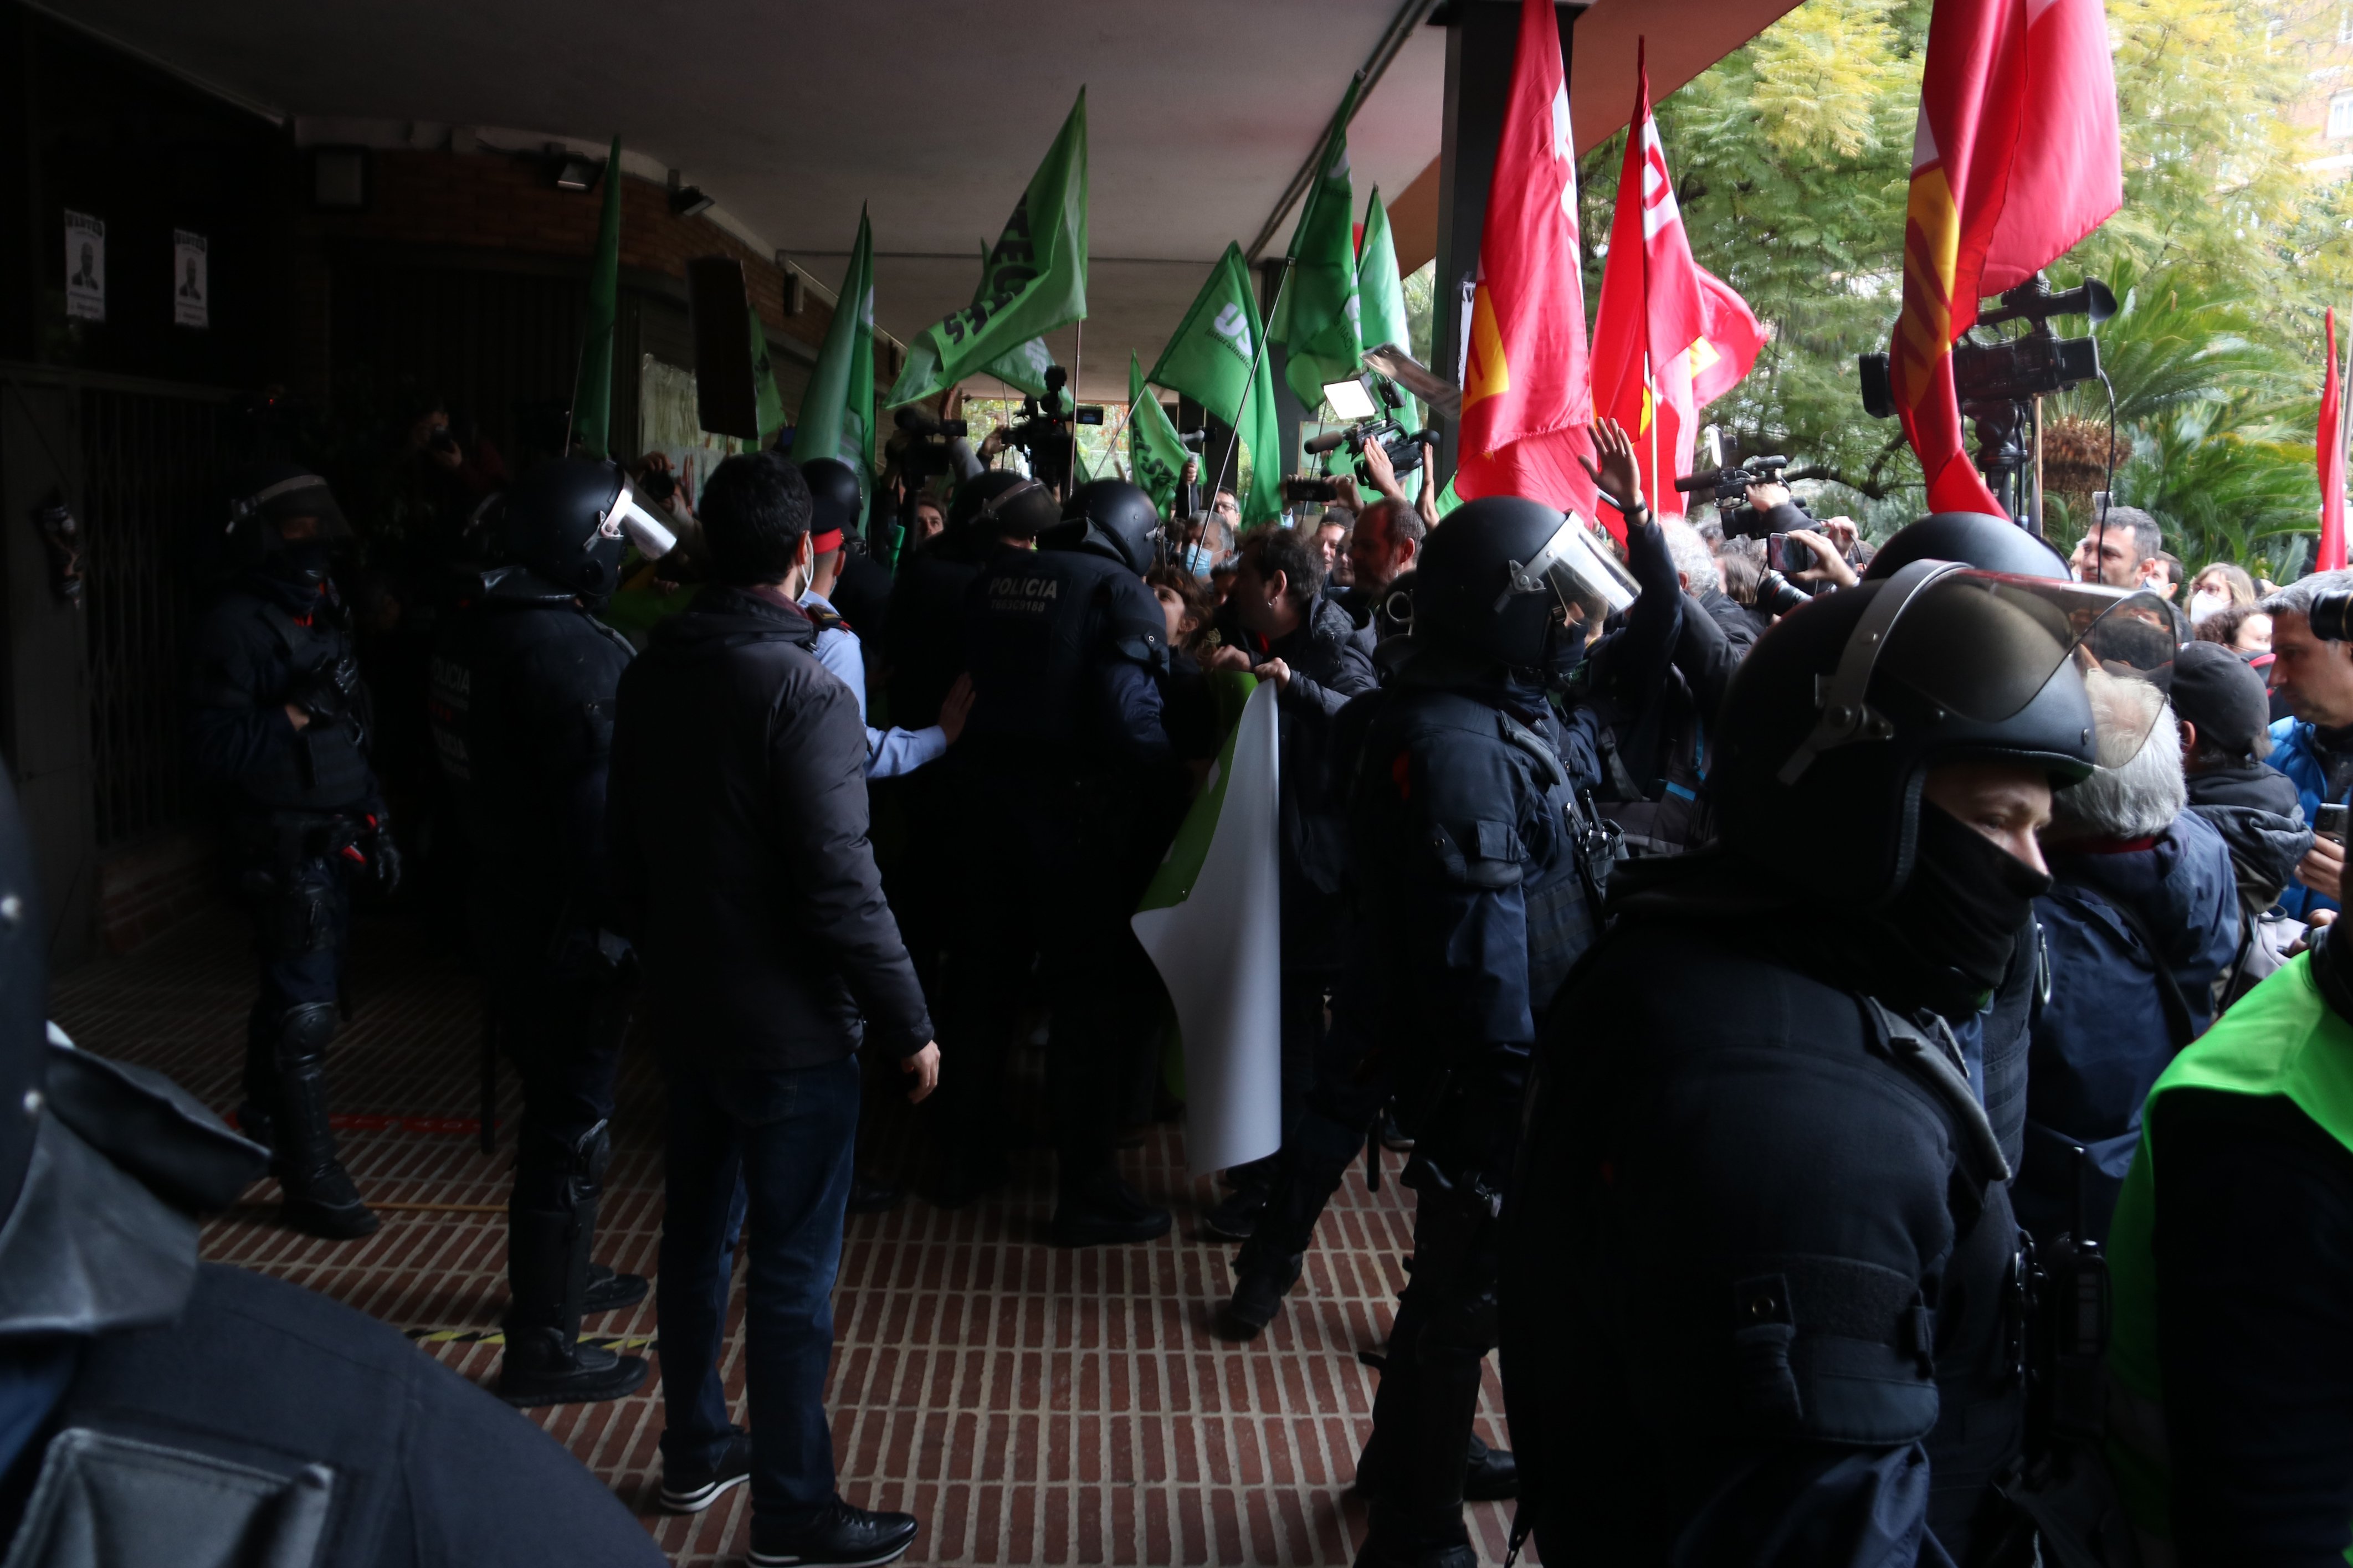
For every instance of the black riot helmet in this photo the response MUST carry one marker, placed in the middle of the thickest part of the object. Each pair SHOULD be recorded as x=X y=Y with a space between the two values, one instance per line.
x=836 y=498
x=1498 y=579
x=264 y=503
x=1001 y=504
x=1110 y=518
x=1851 y=699
x=567 y=523
x=1974 y=539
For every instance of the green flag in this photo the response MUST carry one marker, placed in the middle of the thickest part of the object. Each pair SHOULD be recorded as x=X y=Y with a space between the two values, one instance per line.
x=592 y=387
x=763 y=382
x=1316 y=319
x=1036 y=280
x=1152 y=444
x=1215 y=359
x=1381 y=293
x=837 y=410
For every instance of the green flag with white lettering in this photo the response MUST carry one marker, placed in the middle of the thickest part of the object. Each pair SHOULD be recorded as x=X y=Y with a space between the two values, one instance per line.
x=1316 y=319
x=1380 y=296
x=837 y=410
x=1036 y=280
x=1152 y=443
x=592 y=384
x=1211 y=360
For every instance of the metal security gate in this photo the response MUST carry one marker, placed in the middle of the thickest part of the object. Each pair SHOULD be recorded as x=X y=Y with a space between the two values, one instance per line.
x=152 y=479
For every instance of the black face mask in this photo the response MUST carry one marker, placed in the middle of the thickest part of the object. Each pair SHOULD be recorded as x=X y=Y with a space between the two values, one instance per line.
x=1947 y=940
x=298 y=563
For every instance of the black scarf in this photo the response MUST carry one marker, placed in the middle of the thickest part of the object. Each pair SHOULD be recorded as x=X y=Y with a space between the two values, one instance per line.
x=1946 y=938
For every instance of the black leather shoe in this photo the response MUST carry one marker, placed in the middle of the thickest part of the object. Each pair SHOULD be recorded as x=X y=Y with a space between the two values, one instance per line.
x=845 y=1537
x=1258 y=1296
x=539 y=1368
x=691 y=1492
x=609 y=1291
x=1103 y=1210
x=868 y=1196
x=1492 y=1475
x=323 y=1202
x=1236 y=1215
x=965 y=1180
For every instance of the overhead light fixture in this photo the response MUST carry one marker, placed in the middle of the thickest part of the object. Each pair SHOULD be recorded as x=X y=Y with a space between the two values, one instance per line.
x=573 y=171
x=685 y=201
x=1349 y=399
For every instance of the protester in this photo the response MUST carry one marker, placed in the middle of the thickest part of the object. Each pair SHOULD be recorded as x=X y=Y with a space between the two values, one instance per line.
x=742 y=871
x=1280 y=622
x=2220 y=586
x=2313 y=676
x=2244 y=629
x=2224 y=717
x=2141 y=917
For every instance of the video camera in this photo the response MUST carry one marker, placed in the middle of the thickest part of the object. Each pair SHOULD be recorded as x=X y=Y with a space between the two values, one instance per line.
x=1043 y=433
x=1731 y=484
x=1371 y=403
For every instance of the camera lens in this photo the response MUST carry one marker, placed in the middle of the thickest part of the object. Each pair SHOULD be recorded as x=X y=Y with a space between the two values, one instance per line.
x=2332 y=616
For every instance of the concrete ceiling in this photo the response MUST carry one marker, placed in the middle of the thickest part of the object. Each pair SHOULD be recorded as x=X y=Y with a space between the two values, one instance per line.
x=932 y=113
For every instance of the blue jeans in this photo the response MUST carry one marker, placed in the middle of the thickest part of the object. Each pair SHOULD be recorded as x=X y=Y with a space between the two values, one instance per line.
x=789 y=1136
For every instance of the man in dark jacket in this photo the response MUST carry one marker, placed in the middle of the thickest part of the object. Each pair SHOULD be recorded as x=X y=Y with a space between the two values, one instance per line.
x=2224 y=714
x=280 y=734
x=741 y=870
x=2142 y=914
x=1280 y=621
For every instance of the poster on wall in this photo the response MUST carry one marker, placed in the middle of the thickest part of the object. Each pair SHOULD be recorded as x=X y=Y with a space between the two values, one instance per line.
x=192 y=283
x=85 y=267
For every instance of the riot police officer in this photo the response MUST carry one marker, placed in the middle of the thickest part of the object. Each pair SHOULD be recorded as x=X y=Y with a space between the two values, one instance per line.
x=525 y=677
x=1063 y=747
x=1467 y=852
x=279 y=733
x=1761 y=1283
x=158 y=1409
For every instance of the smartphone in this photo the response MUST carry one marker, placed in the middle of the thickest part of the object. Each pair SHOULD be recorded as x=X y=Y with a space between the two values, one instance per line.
x=1789 y=555
x=1297 y=490
x=2330 y=820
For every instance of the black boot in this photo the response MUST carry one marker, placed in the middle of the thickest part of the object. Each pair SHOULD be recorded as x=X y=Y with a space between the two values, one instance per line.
x=1418 y=1458
x=1236 y=1216
x=609 y=1291
x=320 y=1197
x=547 y=1273
x=1102 y=1209
x=1258 y=1289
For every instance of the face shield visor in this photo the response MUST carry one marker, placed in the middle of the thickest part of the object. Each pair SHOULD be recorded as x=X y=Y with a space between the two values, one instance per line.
x=1575 y=568
x=626 y=518
x=1979 y=649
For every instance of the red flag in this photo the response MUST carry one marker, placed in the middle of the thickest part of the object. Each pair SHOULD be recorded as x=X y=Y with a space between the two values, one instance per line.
x=1526 y=395
x=1668 y=337
x=2330 y=438
x=2015 y=158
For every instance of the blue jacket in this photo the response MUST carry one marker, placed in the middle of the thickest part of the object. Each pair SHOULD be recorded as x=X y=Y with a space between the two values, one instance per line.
x=2294 y=754
x=2102 y=1038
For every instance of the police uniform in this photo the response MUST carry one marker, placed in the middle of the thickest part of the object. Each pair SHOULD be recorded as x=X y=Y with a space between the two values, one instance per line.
x=523 y=683
x=303 y=814
x=1063 y=746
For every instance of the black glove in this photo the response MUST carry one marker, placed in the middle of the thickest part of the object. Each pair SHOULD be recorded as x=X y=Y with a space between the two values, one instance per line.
x=327 y=691
x=381 y=852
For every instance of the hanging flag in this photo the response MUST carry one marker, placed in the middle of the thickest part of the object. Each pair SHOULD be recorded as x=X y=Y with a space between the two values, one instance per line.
x=837 y=418
x=1216 y=360
x=1212 y=922
x=1380 y=296
x=2329 y=443
x=1036 y=280
x=766 y=397
x=592 y=384
x=1668 y=336
x=1152 y=443
x=1526 y=395
x=1315 y=319
x=2014 y=159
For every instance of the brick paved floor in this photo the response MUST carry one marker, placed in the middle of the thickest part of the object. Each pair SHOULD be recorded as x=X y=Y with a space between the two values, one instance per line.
x=1030 y=1404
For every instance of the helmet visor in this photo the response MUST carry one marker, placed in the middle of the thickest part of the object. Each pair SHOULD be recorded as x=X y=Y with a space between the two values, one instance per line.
x=1574 y=567
x=626 y=518
x=1984 y=643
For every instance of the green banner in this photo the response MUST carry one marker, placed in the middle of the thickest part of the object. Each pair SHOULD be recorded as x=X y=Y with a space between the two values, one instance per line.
x=1316 y=319
x=1380 y=292
x=1152 y=446
x=1036 y=280
x=1215 y=359
x=837 y=410
x=592 y=386
x=771 y=402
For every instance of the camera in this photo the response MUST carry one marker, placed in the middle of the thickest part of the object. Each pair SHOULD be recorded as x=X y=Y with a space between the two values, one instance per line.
x=919 y=449
x=1776 y=595
x=1043 y=433
x=1371 y=405
x=1193 y=440
x=1730 y=486
x=2332 y=616
x=1296 y=490
x=1784 y=553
